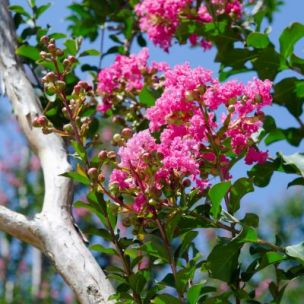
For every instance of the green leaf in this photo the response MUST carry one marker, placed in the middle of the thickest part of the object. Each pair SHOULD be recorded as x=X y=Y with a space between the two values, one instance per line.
x=20 y=10
x=251 y=220
x=79 y=149
x=270 y=258
x=222 y=262
x=183 y=276
x=77 y=177
x=146 y=97
x=248 y=235
x=137 y=281
x=289 y=37
x=296 y=251
x=216 y=195
x=155 y=248
x=165 y=299
x=102 y=249
x=186 y=241
x=238 y=190
x=28 y=52
x=266 y=62
x=72 y=46
x=262 y=173
x=295 y=160
x=90 y=52
x=288 y=93
x=41 y=9
x=257 y=40
x=296 y=182
x=99 y=232
x=194 y=293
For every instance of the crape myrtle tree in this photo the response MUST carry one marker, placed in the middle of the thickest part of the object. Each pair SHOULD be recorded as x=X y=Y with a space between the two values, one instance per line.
x=165 y=179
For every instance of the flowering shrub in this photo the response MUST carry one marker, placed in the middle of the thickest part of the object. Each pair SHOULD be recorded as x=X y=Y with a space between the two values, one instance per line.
x=193 y=141
x=161 y=19
x=161 y=188
x=126 y=77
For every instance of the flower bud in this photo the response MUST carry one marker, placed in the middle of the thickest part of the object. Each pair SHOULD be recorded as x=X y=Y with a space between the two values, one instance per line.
x=186 y=183
x=51 y=76
x=40 y=121
x=44 y=39
x=71 y=59
x=44 y=55
x=92 y=172
x=102 y=155
x=68 y=128
x=46 y=130
x=118 y=120
x=111 y=155
x=101 y=178
x=66 y=62
x=126 y=133
x=60 y=85
x=51 y=47
x=59 y=52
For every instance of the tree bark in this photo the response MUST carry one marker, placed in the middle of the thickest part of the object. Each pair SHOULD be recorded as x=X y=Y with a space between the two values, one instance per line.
x=52 y=230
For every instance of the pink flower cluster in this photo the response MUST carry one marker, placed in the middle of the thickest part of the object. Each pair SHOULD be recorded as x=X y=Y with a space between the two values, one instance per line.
x=126 y=76
x=193 y=143
x=160 y=19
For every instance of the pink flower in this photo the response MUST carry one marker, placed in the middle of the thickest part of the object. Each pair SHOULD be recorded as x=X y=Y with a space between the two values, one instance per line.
x=206 y=45
x=255 y=156
x=160 y=19
x=139 y=203
x=204 y=14
x=136 y=148
x=119 y=177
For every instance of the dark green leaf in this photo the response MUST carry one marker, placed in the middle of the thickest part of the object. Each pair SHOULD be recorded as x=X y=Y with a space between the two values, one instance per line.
x=222 y=262
x=238 y=190
x=296 y=182
x=286 y=94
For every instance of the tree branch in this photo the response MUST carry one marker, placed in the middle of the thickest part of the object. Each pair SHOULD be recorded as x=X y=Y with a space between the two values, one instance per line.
x=18 y=226
x=53 y=230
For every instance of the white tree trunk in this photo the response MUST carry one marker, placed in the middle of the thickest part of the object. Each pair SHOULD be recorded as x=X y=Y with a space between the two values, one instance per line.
x=52 y=230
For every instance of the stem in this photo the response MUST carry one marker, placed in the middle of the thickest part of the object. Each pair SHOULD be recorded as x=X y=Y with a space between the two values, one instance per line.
x=125 y=263
x=170 y=255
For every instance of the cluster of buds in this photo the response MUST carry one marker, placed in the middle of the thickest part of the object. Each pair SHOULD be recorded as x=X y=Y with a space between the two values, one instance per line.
x=119 y=139
x=52 y=49
x=73 y=104
x=42 y=122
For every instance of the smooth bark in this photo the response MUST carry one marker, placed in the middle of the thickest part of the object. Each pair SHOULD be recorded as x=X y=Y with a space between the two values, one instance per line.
x=52 y=230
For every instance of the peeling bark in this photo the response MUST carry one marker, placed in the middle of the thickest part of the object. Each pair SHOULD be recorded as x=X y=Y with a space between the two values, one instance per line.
x=52 y=230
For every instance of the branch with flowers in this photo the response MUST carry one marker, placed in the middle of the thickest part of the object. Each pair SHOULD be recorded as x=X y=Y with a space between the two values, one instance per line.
x=167 y=179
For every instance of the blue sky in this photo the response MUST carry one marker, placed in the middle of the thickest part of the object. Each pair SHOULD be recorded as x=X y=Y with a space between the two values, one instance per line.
x=292 y=11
